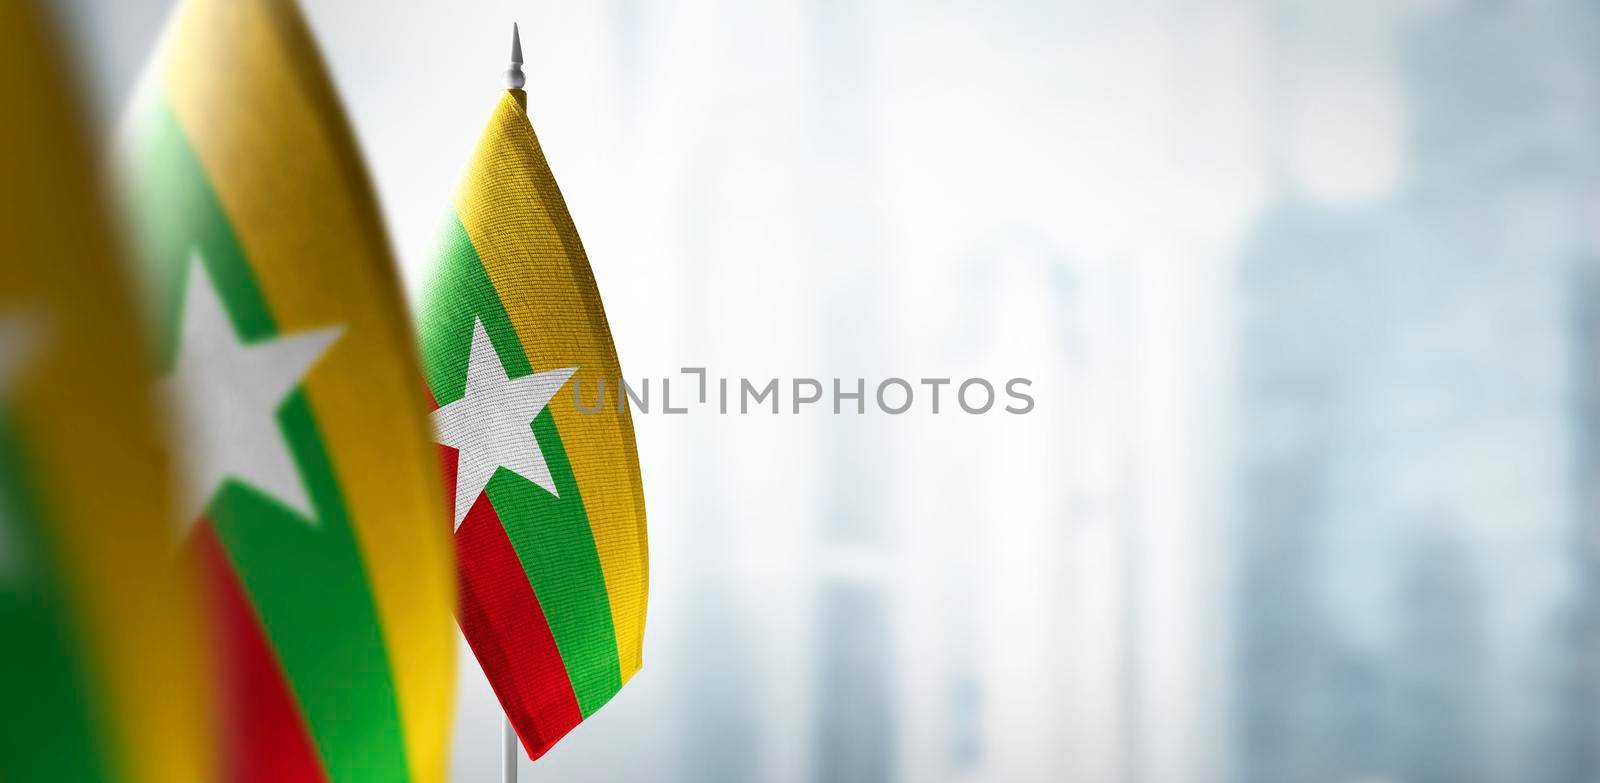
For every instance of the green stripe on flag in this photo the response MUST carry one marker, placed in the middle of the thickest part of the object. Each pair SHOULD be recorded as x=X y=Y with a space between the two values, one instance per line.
x=556 y=546
x=460 y=293
x=309 y=589
x=57 y=739
x=305 y=578
x=179 y=214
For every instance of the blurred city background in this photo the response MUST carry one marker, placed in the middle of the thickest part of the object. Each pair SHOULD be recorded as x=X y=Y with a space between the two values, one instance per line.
x=1310 y=294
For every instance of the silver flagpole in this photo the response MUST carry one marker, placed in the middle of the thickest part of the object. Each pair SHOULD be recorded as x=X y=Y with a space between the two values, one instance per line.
x=514 y=76
x=508 y=735
x=508 y=751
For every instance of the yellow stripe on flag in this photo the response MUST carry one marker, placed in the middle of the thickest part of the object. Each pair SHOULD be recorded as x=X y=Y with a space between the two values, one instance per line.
x=81 y=399
x=519 y=224
x=286 y=169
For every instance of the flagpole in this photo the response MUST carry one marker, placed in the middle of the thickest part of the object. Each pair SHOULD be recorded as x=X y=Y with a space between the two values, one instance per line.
x=508 y=735
x=508 y=751
x=514 y=76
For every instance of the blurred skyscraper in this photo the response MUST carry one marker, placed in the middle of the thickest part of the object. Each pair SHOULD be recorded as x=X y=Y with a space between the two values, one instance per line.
x=1414 y=457
x=1579 y=634
x=1305 y=691
x=854 y=710
x=1441 y=659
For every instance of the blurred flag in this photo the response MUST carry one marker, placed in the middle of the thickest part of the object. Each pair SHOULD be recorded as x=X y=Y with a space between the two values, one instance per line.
x=310 y=489
x=549 y=509
x=102 y=660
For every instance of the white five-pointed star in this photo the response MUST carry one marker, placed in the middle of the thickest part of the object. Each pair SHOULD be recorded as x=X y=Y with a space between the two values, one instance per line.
x=224 y=396
x=492 y=426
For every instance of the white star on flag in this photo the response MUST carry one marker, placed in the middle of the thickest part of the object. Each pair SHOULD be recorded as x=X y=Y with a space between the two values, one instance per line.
x=492 y=426
x=225 y=396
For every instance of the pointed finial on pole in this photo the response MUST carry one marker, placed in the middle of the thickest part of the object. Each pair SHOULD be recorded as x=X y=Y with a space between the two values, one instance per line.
x=514 y=77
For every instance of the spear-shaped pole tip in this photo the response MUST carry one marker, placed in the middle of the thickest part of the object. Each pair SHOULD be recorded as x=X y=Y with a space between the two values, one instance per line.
x=514 y=77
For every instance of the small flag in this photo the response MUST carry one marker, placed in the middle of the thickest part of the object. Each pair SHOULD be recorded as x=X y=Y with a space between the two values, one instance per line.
x=103 y=668
x=310 y=487
x=548 y=504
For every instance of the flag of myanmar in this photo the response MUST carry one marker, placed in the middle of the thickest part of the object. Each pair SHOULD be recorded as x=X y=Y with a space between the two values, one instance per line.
x=311 y=489
x=102 y=652
x=549 y=509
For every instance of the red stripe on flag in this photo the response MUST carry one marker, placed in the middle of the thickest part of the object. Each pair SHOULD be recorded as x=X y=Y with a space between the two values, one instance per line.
x=501 y=618
x=449 y=468
x=449 y=463
x=265 y=738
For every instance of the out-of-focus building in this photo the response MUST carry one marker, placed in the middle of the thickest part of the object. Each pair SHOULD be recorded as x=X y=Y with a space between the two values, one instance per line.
x=1441 y=659
x=1306 y=690
x=1415 y=447
x=854 y=712
x=1579 y=634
